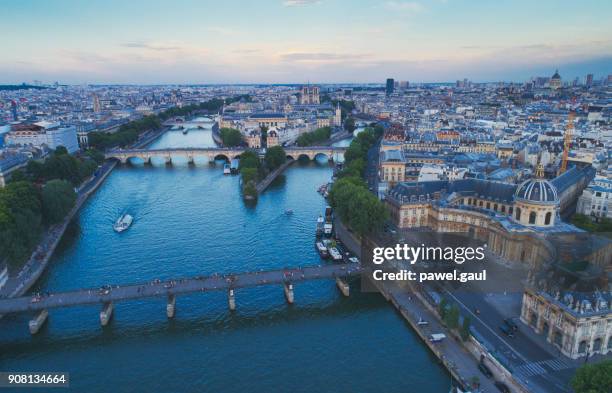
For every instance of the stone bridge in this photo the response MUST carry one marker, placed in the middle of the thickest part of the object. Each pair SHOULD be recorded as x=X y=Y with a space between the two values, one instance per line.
x=227 y=153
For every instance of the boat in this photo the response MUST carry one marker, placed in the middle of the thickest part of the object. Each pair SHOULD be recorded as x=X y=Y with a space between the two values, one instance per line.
x=289 y=212
x=123 y=223
x=320 y=222
x=227 y=169
x=328 y=228
x=335 y=254
x=185 y=131
x=234 y=165
x=322 y=250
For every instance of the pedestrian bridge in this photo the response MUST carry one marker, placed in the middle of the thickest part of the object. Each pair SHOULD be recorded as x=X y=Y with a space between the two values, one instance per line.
x=106 y=296
x=227 y=153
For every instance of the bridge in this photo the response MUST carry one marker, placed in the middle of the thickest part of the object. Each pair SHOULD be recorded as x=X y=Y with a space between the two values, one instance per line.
x=108 y=295
x=212 y=153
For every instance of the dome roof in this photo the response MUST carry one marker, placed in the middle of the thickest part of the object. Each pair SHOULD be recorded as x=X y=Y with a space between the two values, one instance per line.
x=538 y=191
x=556 y=75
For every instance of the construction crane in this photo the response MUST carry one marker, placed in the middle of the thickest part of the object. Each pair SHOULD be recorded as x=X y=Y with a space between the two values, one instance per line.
x=567 y=141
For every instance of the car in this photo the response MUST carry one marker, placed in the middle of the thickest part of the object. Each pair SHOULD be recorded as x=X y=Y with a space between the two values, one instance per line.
x=507 y=331
x=353 y=260
x=511 y=324
x=485 y=370
x=502 y=387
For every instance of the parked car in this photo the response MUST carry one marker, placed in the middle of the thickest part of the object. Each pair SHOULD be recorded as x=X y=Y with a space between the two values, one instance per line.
x=511 y=324
x=507 y=330
x=485 y=370
x=502 y=387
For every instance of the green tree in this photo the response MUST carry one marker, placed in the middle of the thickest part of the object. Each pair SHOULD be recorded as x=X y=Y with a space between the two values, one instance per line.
x=248 y=175
x=593 y=378
x=452 y=317
x=465 y=328
x=442 y=308
x=275 y=157
x=349 y=125
x=58 y=198
x=317 y=136
x=230 y=137
x=249 y=159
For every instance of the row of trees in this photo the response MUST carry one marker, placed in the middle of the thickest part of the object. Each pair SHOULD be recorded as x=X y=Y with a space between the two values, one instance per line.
x=350 y=197
x=451 y=318
x=312 y=138
x=230 y=136
x=593 y=378
x=252 y=170
x=42 y=194
x=584 y=222
x=126 y=135
x=129 y=133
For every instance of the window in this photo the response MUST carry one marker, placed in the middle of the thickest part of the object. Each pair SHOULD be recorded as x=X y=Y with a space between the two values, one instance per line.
x=532 y=218
x=518 y=213
x=547 y=218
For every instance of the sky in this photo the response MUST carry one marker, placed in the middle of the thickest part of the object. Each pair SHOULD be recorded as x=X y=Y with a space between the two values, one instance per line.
x=298 y=41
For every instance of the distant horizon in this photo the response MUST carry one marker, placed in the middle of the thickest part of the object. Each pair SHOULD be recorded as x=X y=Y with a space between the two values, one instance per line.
x=328 y=41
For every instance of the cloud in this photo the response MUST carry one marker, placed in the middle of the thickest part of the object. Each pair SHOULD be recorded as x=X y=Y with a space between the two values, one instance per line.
x=300 y=3
x=246 y=51
x=151 y=46
x=405 y=6
x=320 y=57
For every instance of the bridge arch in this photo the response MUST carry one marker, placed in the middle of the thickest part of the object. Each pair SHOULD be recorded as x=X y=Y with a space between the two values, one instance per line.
x=323 y=155
x=222 y=156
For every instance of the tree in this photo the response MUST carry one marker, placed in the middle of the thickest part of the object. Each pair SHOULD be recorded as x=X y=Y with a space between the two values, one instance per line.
x=230 y=137
x=58 y=198
x=317 y=136
x=452 y=317
x=465 y=328
x=248 y=175
x=349 y=125
x=442 y=307
x=249 y=159
x=593 y=378
x=275 y=157
x=60 y=150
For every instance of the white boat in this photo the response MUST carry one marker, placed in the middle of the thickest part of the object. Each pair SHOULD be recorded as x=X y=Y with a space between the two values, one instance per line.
x=123 y=223
x=322 y=249
x=335 y=254
x=227 y=169
x=328 y=228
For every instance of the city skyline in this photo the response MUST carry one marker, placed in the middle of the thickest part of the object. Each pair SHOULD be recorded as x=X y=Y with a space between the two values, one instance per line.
x=296 y=41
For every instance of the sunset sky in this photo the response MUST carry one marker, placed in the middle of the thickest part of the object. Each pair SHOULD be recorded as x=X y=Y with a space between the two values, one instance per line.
x=296 y=41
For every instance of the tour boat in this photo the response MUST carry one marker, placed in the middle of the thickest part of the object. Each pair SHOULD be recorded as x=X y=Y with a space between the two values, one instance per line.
x=289 y=212
x=322 y=249
x=227 y=169
x=123 y=223
x=335 y=254
x=328 y=228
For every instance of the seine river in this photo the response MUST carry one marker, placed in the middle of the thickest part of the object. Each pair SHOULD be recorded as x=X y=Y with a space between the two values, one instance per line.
x=192 y=221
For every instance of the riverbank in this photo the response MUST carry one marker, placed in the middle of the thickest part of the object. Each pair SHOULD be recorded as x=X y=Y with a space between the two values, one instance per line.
x=35 y=266
x=459 y=358
x=31 y=271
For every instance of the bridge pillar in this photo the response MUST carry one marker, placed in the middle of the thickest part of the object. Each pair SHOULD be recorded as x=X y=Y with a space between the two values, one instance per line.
x=38 y=321
x=171 y=306
x=124 y=160
x=147 y=160
x=106 y=313
x=343 y=286
x=289 y=292
x=231 y=300
x=168 y=160
x=211 y=158
x=190 y=160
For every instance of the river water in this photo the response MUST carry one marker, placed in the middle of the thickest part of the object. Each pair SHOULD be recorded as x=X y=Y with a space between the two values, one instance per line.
x=191 y=221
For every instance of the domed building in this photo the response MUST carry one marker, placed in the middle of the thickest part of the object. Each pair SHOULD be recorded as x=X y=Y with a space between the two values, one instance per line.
x=536 y=202
x=555 y=80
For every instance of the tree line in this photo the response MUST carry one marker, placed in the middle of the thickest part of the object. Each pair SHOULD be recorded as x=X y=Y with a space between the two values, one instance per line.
x=39 y=196
x=253 y=170
x=356 y=206
x=312 y=138
x=129 y=133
